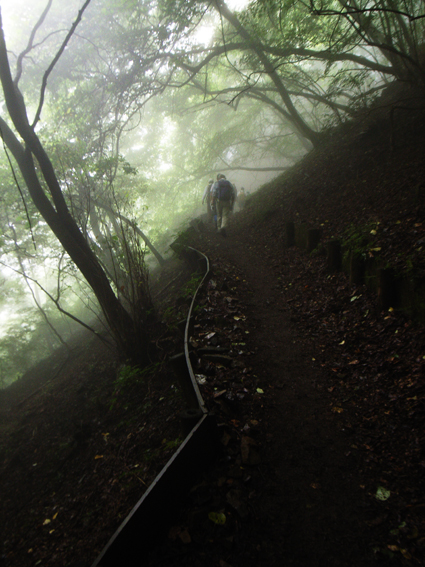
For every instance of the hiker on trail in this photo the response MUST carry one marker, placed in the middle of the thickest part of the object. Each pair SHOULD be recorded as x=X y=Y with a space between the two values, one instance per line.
x=208 y=198
x=224 y=194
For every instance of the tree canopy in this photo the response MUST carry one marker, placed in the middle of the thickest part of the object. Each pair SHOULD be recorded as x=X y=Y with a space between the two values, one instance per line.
x=115 y=114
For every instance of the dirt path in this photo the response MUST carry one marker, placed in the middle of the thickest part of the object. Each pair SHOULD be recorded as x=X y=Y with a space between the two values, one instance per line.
x=310 y=509
x=309 y=498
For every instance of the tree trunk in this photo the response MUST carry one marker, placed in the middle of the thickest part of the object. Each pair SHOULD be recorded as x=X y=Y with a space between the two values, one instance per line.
x=57 y=215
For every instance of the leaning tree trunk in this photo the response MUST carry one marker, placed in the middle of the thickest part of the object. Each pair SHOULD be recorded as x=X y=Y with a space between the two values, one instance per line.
x=57 y=215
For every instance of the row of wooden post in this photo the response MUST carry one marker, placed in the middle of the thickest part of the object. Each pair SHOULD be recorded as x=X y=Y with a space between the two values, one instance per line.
x=394 y=290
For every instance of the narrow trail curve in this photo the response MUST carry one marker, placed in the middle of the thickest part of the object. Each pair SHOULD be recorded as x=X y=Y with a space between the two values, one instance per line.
x=312 y=510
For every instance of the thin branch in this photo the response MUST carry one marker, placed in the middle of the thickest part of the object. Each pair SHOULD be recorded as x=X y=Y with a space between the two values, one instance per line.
x=134 y=226
x=55 y=60
x=351 y=11
x=30 y=42
x=240 y=168
x=56 y=302
x=34 y=297
x=19 y=188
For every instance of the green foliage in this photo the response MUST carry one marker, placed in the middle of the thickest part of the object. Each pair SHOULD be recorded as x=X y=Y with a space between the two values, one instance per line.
x=359 y=240
x=191 y=286
x=128 y=375
x=28 y=339
x=173 y=444
x=130 y=378
x=152 y=454
x=113 y=142
x=171 y=317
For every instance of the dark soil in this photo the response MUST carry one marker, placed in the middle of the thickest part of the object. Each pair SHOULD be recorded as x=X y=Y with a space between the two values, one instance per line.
x=82 y=437
x=319 y=395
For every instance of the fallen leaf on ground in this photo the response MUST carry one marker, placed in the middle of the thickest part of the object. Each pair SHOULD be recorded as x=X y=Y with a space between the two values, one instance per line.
x=382 y=493
x=217 y=517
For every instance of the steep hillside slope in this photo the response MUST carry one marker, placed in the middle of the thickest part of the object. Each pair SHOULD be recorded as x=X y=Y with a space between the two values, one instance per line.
x=342 y=433
x=321 y=409
x=369 y=174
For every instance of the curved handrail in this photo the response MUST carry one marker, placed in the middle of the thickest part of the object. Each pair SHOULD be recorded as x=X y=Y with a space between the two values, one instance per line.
x=186 y=335
x=139 y=530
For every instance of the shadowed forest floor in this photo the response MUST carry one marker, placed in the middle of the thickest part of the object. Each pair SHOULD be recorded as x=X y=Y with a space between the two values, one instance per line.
x=319 y=395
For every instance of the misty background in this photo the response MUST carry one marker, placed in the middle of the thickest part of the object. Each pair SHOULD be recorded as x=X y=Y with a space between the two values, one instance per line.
x=137 y=104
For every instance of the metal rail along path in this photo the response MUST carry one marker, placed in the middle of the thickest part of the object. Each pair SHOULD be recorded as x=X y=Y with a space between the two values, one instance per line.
x=150 y=517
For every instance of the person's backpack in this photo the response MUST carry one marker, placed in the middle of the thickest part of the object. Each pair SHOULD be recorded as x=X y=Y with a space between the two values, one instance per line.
x=225 y=190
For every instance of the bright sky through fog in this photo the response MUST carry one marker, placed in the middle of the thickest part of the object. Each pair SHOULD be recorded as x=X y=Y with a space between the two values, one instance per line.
x=237 y=4
x=205 y=32
x=12 y=11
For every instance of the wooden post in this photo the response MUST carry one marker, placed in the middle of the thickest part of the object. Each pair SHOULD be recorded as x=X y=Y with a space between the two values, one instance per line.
x=334 y=253
x=387 y=288
x=357 y=269
x=289 y=234
x=314 y=235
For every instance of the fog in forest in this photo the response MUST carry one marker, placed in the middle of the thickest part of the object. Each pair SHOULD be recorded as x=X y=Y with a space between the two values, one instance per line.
x=116 y=114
